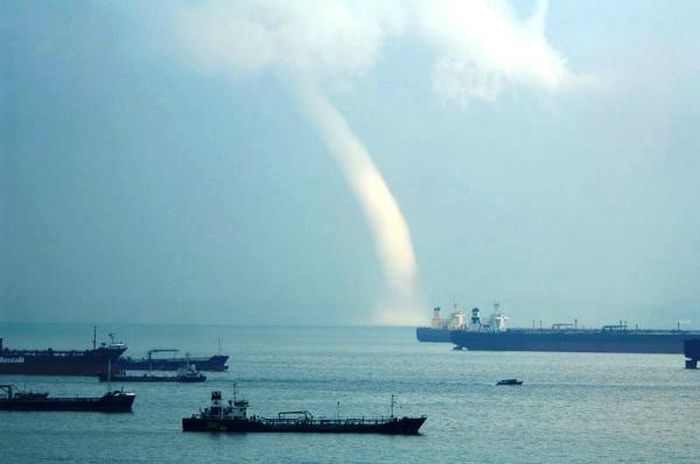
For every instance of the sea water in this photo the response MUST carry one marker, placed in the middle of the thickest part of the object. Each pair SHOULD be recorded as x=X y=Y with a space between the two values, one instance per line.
x=573 y=407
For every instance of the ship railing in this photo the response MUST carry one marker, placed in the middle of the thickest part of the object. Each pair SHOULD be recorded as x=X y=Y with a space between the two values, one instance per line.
x=330 y=421
x=597 y=330
x=47 y=352
x=300 y=415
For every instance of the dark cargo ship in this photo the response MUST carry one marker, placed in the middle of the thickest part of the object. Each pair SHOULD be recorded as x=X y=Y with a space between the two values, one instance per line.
x=116 y=401
x=233 y=417
x=494 y=335
x=216 y=363
x=60 y=362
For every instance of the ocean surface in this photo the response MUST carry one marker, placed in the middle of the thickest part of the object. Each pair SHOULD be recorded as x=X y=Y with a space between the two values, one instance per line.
x=572 y=408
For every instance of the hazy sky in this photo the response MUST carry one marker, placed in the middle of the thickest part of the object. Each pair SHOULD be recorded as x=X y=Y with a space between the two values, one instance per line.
x=332 y=162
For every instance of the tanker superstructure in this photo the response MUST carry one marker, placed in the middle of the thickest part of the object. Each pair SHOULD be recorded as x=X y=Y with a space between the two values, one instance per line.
x=493 y=334
x=439 y=330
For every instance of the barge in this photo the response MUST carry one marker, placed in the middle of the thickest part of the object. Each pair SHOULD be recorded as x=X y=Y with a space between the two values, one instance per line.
x=184 y=375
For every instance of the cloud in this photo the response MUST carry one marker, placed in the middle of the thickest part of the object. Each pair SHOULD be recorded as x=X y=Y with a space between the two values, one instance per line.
x=481 y=47
x=313 y=38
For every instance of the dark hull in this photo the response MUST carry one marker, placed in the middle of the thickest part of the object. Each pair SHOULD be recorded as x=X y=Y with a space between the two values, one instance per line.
x=692 y=353
x=215 y=363
x=50 y=362
x=153 y=378
x=402 y=426
x=592 y=341
x=118 y=403
x=428 y=334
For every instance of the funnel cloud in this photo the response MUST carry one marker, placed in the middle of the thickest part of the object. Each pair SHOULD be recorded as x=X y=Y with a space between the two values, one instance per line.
x=387 y=224
x=480 y=47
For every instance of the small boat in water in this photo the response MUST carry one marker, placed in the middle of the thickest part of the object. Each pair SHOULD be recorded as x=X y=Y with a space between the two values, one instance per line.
x=115 y=401
x=233 y=417
x=187 y=374
x=509 y=382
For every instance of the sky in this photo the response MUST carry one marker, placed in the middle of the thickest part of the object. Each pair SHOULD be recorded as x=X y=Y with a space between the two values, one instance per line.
x=268 y=162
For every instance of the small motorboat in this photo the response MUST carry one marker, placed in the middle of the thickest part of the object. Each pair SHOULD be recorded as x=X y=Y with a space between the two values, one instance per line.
x=509 y=382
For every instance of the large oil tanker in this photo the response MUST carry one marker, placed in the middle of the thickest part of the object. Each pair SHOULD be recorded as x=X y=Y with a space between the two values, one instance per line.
x=473 y=333
x=91 y=362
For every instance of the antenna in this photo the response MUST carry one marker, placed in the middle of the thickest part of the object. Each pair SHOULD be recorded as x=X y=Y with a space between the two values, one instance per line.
x=94 y=337
x=337 y=410
x=109 y=374
x=393 y=403
x=235 y=393
x=682 y=321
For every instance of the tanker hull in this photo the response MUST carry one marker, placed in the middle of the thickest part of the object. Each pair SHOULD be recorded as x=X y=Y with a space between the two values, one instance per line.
x=60 y=362
x=110 y=402
x=430 y=335
x=587 y=341
x=216 y=363
x=392 y=426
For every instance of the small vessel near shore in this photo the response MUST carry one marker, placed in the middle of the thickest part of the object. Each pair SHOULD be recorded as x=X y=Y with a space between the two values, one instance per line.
x=216 y=363
x=509 y=382
x=187 y=374
x=233 y=417
x=112 y=401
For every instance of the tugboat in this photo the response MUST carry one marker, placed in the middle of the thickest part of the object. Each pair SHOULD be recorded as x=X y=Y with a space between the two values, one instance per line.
x=115 y=401
x=233 y=417
x=187 y=374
